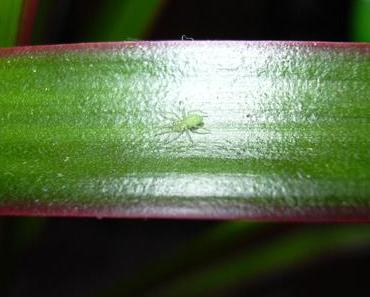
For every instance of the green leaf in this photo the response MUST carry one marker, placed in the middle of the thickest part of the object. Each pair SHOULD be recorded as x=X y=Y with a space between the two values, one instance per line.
x=361 y=20
x=10 y=13
x=87 y=130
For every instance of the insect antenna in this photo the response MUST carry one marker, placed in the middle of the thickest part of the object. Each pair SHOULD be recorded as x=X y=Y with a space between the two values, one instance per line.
x=171 y=116
x=202 y=113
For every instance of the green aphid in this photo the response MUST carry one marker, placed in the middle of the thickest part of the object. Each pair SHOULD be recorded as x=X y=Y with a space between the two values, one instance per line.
x=192 y=121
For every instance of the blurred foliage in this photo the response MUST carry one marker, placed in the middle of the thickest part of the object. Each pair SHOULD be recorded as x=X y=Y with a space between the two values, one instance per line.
x=361 y=20
x=42 y=23
x=305 y=244
x=123 y=20
x=109 y=20
x=10 y=14
x=232 y=255
x=213 y=244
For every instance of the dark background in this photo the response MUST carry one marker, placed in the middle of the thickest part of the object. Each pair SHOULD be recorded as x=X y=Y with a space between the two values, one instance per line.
x=255 y=20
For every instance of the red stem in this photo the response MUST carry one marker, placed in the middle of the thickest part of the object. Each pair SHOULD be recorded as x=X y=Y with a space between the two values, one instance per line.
x=106 y=46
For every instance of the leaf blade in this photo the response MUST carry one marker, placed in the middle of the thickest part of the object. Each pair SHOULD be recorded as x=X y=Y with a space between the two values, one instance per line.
x=290 y=143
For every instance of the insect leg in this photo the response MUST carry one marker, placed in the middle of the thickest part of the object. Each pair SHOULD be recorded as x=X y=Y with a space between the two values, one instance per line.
x=202 y=131
x=168 y=139
x=176 y=137
x=189 y=136
x=161 y=133
x=171 y=116
x=175 y=115
x=164 y=129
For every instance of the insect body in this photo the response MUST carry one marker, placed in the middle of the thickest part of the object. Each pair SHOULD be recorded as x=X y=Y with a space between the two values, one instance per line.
x=192 y=121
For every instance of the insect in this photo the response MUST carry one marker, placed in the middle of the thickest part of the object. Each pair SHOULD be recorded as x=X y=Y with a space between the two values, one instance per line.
x=192 y=121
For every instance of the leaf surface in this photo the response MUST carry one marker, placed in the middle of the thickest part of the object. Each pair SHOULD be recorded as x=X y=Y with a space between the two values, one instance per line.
x=87 y=130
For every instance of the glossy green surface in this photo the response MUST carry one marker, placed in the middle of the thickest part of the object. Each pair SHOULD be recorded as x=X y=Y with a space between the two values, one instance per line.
x=82 y=130
x=10 y=13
